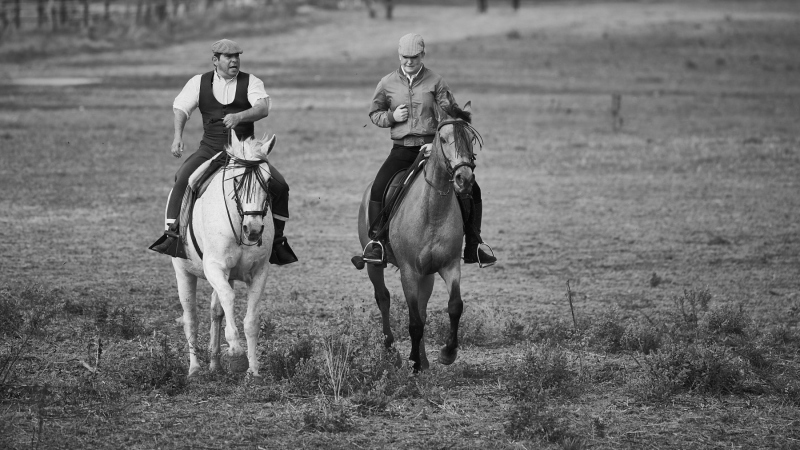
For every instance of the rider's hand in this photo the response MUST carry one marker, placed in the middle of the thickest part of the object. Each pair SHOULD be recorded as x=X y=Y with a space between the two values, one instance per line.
x=231 y=120
x=177 y=147
x=426 y=149
x=400 y=114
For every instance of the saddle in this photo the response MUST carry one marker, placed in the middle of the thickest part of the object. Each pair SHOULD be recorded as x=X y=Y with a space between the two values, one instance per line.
x=198 y=183
x=394 y=194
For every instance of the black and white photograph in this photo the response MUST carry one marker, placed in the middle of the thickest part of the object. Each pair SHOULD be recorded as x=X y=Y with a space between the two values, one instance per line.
x=400 y=224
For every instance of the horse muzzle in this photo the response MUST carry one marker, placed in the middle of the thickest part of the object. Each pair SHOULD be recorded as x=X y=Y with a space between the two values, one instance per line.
x=252 y=232
x=463 y=179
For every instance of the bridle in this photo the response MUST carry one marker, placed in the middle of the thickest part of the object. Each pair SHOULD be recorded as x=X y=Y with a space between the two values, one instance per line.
x=247 y=181
x=451 y=170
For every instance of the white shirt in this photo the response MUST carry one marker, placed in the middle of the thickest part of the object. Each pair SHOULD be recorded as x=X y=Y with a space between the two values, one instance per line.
x=224 y=91
x=411 y=77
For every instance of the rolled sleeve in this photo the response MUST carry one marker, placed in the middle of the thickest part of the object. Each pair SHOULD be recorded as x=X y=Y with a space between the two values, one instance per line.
x=189 y=98
x=256 y=91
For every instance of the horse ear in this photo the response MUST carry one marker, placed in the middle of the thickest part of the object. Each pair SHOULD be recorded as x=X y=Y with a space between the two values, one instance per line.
x=468 y=106
x=263 y=150
x=270 y=143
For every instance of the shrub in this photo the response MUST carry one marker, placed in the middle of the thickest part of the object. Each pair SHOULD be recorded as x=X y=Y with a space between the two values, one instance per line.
x=691 y=304
x=120 y=321
x=283 y=363
x=514 y=331
x=554 y=332
x=327 y=417
x=725 y=319
x=27 y=309
x=640 y=336
x=531 y=418
x=606 y=334
x=543 y=368
x=159 y=367
x=689 y=367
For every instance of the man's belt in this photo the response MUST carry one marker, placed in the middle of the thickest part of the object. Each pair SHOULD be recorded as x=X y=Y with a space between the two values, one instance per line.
x=413 y=141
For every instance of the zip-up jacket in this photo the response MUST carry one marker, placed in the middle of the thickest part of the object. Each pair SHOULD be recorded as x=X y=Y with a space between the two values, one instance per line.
x=393 y=90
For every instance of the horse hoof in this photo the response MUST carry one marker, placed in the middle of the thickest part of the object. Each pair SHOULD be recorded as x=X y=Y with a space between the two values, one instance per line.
x=251 y=377
x=358 y=262
x=237 y=364
x=446 y=357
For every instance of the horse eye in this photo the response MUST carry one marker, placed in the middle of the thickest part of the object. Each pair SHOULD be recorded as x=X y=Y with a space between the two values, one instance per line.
x=443 y=140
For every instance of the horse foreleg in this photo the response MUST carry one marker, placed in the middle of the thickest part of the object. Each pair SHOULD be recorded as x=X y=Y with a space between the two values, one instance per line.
x=252 y=319
x=187 y=292
x=218 y=278
x=216 y=314
x=452 y=279
x=382 y=297
x=417 y=289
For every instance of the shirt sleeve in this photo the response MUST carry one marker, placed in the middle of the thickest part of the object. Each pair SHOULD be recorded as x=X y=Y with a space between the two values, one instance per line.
x=256 y=91
x=379 y=109
x=189 y=98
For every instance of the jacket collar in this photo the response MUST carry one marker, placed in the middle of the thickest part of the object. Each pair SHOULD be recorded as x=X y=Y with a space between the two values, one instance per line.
x=416 y=76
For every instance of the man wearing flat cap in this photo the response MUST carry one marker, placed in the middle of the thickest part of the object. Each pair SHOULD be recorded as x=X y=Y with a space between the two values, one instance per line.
x=405 y=102
x=230 y=101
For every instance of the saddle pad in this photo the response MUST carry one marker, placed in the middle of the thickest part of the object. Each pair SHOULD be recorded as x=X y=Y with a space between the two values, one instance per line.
x=198 y=180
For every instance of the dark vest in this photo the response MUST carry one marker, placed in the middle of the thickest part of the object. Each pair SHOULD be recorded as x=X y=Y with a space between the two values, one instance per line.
x=215 y=135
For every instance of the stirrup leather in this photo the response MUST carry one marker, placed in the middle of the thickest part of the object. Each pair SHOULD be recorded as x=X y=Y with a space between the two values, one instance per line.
x=481 y=264
x=372 y=260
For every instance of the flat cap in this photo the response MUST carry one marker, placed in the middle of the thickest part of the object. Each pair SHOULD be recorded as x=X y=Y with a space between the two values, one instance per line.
x=411 y=45
x=226 y=46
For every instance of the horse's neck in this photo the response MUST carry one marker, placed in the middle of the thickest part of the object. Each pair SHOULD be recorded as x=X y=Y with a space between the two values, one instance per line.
x=437 y=190
x=436 y=177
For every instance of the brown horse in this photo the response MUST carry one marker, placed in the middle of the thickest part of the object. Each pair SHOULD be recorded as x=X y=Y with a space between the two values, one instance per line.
x=426 y=234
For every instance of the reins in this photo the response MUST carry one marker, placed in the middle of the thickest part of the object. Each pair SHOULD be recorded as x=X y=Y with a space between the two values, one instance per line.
x=464 y=136
x=249 y=180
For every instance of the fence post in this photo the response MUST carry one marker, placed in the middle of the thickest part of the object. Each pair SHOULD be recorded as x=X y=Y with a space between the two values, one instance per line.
x=616 y=111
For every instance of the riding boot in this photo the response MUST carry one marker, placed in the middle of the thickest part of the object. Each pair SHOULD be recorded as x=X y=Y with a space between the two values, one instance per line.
x=282 y=254
x=374 y=253
x=472 y=251
x=170 y=243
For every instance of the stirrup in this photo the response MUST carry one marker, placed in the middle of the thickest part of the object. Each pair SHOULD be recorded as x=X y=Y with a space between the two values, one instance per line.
x=372 y=260
x=481 y=264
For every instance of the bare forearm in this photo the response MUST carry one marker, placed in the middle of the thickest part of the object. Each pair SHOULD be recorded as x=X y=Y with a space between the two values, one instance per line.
x=256 y=113
x=179 y=122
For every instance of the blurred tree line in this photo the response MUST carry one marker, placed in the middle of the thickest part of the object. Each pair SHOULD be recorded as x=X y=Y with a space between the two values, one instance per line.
x=76 y=14
x=87 y=16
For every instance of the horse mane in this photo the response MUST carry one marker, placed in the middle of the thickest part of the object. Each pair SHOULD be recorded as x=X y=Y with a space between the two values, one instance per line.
x=456 y=112
x=250 y=149
x=465 y=135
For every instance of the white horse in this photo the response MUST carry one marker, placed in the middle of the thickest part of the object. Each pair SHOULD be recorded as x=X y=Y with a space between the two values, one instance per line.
x=235 y=243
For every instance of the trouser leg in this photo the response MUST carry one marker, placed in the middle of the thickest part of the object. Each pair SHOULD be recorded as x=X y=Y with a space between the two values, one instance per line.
x=472 y=233
x=195 y=160
x=282 y=254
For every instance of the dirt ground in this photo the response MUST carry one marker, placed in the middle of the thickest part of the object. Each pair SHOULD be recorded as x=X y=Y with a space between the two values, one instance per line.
x=698 y=188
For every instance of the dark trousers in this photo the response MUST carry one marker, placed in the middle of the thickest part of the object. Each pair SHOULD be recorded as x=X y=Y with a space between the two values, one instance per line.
x=278 y=189
x=401 y=157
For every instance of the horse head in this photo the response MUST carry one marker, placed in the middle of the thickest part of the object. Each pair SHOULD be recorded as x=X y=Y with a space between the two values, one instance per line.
x=248 y=169
x=455 y=141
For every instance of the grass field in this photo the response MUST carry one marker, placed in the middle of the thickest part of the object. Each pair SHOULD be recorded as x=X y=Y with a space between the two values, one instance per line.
x=678 y=235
